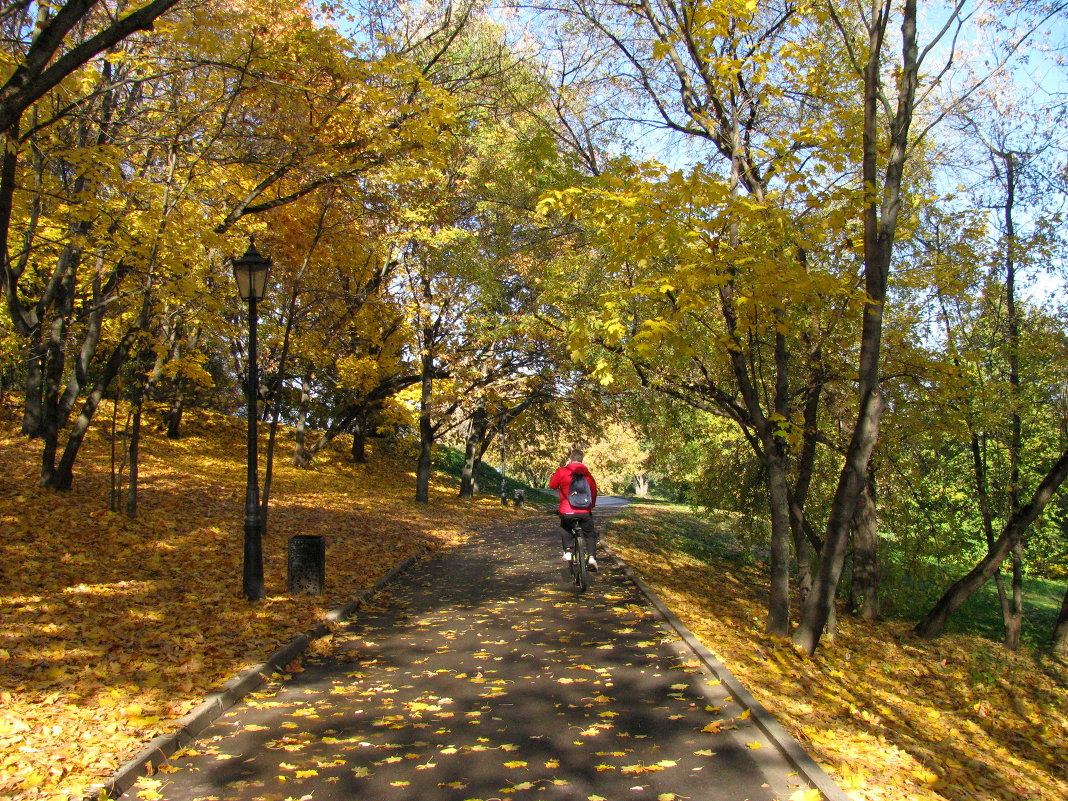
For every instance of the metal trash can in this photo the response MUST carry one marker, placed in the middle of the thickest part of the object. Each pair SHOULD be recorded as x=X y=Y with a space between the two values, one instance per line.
x=519 y=497
x=307 y=563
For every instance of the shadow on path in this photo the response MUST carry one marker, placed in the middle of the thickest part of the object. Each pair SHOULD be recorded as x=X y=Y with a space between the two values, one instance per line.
x=483 y=674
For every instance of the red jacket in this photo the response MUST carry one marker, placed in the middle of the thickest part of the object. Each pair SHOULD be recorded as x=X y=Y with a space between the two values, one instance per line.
x=561 y=481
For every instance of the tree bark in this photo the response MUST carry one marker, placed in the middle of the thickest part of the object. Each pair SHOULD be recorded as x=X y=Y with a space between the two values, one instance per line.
x=473 y=452
x=64 y=474
x=41 y=70
x=426 y=431
x=359 y=440
x=934 y=623
x=865 y=585
x=301 y=456
x=1060 y=629
x=641 y=486
x=820 y=602
x=880 y=227
x=135 y=457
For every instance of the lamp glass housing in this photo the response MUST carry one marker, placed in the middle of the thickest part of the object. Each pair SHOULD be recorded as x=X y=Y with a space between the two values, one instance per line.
x=250 y=272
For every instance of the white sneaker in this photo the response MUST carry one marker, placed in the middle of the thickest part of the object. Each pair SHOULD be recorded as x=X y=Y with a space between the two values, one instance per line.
x=592 y=563
x=567 y=556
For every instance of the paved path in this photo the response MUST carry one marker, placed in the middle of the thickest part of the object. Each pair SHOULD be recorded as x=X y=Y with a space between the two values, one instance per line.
x=482 y=674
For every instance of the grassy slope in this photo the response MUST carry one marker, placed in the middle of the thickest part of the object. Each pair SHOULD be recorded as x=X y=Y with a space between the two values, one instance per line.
x=113 y=628
x=890 y=716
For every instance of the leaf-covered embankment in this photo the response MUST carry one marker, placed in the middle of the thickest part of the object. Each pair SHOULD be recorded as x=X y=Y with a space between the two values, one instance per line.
x=114 y=628
x=892 y=717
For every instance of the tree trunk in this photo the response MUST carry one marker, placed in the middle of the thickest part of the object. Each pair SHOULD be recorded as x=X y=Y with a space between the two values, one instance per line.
x=881 y=214
x=64 y=474
x=820 y=601
x=1014 y=618
x=53 y=375
x=865 y=585
x=779 y=568
x=135 y=455
x=426 y=431
x=180 y=394
x=641 y=485
x=1060 y=629
x=301 y=457
x=472 y=452
x=359 y=440
x=175 y=411
x=32 y=413
x=934 y=623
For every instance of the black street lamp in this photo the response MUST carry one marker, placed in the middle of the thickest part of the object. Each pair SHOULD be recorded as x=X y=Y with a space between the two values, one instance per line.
x=251 y=274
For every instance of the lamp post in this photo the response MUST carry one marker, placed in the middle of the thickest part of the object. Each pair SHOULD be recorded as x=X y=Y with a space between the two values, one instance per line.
x=250 y=271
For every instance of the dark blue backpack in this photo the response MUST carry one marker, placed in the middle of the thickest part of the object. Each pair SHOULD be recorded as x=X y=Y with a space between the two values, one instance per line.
x=579 y=493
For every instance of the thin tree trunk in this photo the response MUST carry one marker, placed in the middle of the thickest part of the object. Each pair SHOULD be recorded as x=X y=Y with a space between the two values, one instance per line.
x=180 y=395
x=53 y=374
x=1014 y=610
x=64 y=474
x=301 y=457
x=469 y=477
x=426 y=432
x=32 y=411
x=778 y=623
x=135 y=455
x=1060 y=629
x=934 y=623
x=880 y=225
x=1014 y=620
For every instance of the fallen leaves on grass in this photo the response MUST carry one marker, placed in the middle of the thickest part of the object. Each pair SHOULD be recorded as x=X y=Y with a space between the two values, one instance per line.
x=114 y=628
x=890 y=716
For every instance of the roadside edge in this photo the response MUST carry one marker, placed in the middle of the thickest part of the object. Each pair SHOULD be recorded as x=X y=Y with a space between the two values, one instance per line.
x=805 y=765
x=192 y=725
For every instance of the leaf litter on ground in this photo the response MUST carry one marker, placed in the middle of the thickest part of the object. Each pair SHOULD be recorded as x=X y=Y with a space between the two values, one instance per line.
x=113 y=628
x=890 y=716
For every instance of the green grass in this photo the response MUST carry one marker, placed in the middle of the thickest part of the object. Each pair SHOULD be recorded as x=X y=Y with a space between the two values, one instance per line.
x=908 y=594
x=677 y=529
x=451 y=462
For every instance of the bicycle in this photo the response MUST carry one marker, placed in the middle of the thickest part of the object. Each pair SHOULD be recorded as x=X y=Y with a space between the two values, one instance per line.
x=579 y=563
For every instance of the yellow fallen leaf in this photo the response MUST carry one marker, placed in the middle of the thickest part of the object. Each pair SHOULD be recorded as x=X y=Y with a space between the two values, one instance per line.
x=515 y=764
x=754 y=745
x=806 y=795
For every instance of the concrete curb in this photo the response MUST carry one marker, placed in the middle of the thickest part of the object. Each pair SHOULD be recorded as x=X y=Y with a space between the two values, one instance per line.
x=805 y=765
x=191 y=725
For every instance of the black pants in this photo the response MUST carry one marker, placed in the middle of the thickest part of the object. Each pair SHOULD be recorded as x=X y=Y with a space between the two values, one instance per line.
x=585 y=522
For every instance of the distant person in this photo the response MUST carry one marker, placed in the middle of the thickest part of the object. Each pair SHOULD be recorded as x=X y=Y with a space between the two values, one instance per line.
x=577 y=501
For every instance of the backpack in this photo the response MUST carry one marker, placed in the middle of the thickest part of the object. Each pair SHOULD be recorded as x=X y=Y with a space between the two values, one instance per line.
x=579 y=494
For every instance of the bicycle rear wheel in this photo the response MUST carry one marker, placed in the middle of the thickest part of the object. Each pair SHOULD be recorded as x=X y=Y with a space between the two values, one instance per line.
x=580 y=563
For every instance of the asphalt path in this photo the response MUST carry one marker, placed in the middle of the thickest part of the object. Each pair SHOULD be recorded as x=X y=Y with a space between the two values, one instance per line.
x=482 y=673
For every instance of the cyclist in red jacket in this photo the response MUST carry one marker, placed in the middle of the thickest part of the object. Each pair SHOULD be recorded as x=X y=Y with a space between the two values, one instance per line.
x=561 y=481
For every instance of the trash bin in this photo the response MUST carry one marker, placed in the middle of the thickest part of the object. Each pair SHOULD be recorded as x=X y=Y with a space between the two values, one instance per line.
x=307 y=563
x=519 y=496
